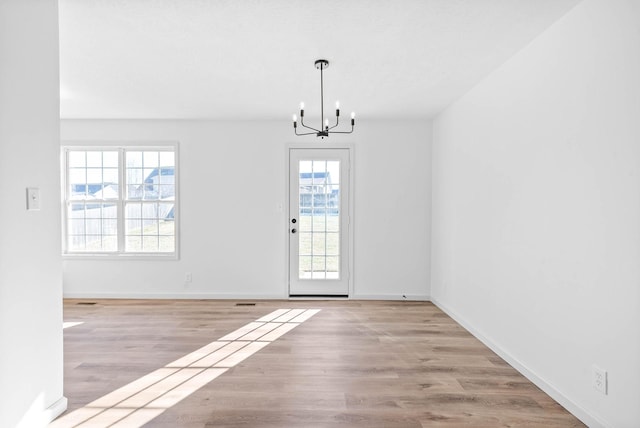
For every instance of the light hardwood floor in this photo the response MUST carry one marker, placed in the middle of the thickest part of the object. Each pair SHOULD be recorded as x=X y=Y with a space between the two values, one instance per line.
x=353 y=364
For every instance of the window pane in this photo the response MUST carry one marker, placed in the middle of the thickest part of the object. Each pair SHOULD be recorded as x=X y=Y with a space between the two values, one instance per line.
x=151 y=191
x=167 y=159
x=110 y=243
x=151 y=227
x=76 y=242
x=304 y=222
x=134 y=210
x=167 y=228
x=305 y=244
x=333 y=220
x=133 y=244
x=150 y=221
x=150 y=175
x=319 y=242
x=76 y=227
x=167 y=244
x=333 y=267
x=134 y=176
x=305 y=166
x=333 y=172
x=94 y=175
x=135 y=188
x=77 y=176
x=133 y=227
x=93 y=226
x=108 y=191
x=333 y=244
x=92 y=211
x=165 y=211
x=110 y=175
x=77 y=159
x=110 y=159
x=318 y=267
x=319 y=222
x=134 y=159
x=150 y=244
x=109 y=227
x=305 y=267
x=167 y=191
x=94 y=159
x=150 y=159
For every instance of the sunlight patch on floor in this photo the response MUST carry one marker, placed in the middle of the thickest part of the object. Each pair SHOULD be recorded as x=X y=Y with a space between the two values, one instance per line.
x=140 y=401
x=68 y=324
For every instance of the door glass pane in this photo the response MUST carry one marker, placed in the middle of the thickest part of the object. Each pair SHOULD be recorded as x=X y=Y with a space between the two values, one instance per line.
x=319 y=214
x=333 y=267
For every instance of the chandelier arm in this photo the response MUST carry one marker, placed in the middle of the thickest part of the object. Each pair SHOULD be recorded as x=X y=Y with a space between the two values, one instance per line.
x=337 y=122
x=308 y=127
x=305 y=133
x=343 y=132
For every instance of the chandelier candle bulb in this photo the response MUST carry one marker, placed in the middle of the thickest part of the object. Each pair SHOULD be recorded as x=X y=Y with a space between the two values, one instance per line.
x=353 y=118
x=295 y=121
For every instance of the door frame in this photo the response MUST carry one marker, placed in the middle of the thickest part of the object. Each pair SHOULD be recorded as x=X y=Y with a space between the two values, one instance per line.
x=350 y=203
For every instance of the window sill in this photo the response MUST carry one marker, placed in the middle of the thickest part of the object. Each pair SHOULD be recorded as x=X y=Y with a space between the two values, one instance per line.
x=120 y=257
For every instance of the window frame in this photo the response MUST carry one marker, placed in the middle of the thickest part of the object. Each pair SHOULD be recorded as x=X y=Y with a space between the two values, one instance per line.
x=121 y=201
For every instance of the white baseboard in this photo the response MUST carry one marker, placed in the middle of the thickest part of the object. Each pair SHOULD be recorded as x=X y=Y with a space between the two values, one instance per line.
x=56 y=409
x=219 y=296
x=185 y=296
x=405 y=297
x=578 y=411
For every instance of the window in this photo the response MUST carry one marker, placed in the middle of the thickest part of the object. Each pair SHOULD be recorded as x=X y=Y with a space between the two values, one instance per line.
x=120 y=200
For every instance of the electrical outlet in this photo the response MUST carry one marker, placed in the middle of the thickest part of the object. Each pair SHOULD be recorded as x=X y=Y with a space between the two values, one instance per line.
x=188 y=278
x=599 y=377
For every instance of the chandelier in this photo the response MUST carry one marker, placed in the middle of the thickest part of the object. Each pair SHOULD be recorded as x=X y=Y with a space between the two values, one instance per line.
x=324 y=130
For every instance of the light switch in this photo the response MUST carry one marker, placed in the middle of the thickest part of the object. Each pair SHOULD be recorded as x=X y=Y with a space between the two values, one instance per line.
x=33 y=198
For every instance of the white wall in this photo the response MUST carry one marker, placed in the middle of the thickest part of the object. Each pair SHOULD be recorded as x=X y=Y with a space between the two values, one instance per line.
x=393 y=210
x=234 y=227
x=536 y=210
x=30 y=264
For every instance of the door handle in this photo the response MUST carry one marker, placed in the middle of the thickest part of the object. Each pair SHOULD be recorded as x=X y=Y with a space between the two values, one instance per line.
x=293 y=231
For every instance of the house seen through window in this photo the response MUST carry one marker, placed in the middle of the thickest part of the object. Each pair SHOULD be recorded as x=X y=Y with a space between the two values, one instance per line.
x=120 y=200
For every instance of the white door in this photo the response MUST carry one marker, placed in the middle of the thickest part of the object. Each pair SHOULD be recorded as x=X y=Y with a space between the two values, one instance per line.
x=319 y=222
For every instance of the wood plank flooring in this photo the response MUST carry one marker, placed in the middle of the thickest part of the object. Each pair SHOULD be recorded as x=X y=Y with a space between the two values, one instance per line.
x=353 y=364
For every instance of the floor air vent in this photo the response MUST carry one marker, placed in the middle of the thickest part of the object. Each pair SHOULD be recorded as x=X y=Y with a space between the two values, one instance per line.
x=86 y=303
x=245 y=304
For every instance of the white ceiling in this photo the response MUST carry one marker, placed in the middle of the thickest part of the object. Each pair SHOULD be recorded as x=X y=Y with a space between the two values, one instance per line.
x=253 y=59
